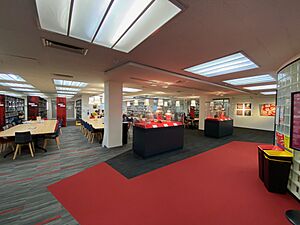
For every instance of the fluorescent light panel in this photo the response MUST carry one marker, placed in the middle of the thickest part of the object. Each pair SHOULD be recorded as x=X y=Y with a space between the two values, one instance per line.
x=67 y=89
x=11 y=77
x=69 y=83
x=67 y=96
x=67 y=92
x=229 y=64
x=17 y=85
x=131 y=90
x=24 y=89
x=263 y=87
x=251 y=80
x=268 y=92
x=125 y=25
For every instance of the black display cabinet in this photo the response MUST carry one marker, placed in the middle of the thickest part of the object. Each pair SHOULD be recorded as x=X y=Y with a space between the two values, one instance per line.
x=152 y=141
x=218 y=128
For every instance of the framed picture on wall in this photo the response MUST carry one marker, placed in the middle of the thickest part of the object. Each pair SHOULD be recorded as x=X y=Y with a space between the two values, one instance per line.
x=247 y=105
x=295 y=122
x=239 y=106
x=267 y=109
x=247 y=112
x=239 y=112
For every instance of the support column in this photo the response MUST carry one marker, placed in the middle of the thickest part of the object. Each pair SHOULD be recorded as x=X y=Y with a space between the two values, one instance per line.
x=112 y=114
x=202 y=109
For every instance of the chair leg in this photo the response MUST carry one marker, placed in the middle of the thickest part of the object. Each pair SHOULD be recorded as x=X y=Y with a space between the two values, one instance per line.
x=33 y=148
x=31 y=151
x=16 y=151
x=45 y=143
x=57 y=142
x=93 y=136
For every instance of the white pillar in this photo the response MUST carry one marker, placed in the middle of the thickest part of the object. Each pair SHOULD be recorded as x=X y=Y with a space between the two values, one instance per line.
x=112 y=114
x=202 y=110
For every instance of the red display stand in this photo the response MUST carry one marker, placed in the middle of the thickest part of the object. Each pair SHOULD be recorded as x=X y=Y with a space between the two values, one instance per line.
x=33 y=107
x=61 y=110
x=2 y=111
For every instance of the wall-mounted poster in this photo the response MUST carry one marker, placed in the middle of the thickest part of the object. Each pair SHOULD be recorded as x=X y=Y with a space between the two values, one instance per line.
x=247 y=105
x=267 y=109
x=239 y=106
x=247 y=112
x=239 y=112
x=295 y=121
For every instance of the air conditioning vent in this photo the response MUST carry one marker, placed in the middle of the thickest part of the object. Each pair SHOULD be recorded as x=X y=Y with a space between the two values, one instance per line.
x=64 y=47
x=63 y=75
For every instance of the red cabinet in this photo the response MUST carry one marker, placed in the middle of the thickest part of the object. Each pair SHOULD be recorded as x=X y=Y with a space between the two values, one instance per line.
x=61 y=110
x=33 y=107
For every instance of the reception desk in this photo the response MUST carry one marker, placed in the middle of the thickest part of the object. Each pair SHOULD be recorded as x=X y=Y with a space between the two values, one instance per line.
x=154 y=138
x=218 y=127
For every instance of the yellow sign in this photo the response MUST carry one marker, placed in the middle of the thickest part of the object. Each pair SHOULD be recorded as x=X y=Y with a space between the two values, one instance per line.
x=287 y=143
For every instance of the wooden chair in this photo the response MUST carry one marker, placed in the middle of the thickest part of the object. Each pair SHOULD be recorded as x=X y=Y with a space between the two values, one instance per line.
x=5 y=143
x=23 y=138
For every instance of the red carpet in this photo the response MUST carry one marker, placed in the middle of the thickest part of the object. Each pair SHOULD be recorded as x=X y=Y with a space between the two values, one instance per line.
x=219 y=187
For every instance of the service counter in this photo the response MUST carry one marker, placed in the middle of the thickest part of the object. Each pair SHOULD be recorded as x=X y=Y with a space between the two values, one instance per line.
x=218 y=127
x=157 y=137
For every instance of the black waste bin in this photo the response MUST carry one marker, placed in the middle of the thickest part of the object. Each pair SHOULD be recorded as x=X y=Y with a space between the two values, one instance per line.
x=277 y=166
x=125 y=133
x=261 y=157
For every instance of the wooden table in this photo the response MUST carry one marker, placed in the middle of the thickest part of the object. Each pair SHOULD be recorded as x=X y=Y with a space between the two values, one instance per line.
x=95 y=123
x=35 y=128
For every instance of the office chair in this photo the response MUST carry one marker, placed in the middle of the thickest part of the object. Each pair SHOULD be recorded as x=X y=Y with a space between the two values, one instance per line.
x=23 y=138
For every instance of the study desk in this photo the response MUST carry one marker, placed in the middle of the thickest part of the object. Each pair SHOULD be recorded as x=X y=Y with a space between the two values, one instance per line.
x=97 y=124
x=35 y=128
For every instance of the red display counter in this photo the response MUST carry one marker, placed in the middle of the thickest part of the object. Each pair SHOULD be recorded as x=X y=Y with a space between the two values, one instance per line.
x=157 y=137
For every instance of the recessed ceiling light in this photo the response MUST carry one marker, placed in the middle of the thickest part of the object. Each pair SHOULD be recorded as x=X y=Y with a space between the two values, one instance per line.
x=67 y=92
x=263 y=87
x=250 y=80
x=268 y=93
x=228 y=64
x=131 y=90
x=69 y=83
x=67 y=89
x=115 y=24
x=11 y=77
x=17 y=85
x=24 y=89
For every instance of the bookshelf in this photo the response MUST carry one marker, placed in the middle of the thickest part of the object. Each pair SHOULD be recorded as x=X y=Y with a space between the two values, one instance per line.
x=78 y=108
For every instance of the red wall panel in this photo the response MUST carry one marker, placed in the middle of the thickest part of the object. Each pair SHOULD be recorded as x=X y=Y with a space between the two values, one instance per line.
x=61 y=110
x=33 y=107
x=2 y=111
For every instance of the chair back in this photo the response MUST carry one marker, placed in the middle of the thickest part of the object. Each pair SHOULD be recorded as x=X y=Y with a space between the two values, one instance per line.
x=23 y=137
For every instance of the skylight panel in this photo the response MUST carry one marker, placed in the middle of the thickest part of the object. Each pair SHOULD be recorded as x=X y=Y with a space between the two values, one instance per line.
x=17 y=85
x=263 y=87
x=119 y=18
x=268 y=92
x=131 y=90
x=229 y=64
x=11 y=77
x=159 y=13
x=120 y=23
x=86 y=18
x=250 y=80
x=54 y=15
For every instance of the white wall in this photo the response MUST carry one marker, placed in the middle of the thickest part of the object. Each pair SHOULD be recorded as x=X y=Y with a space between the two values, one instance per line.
x=255 y=121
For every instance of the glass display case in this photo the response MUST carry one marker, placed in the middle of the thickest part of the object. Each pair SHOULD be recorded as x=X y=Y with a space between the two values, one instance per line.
x=218 y=109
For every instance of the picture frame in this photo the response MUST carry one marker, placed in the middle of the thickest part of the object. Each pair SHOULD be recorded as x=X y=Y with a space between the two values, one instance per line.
x=247 y=105
x=239 y=112
x=268 y=109
x=248 y=112
x=239 y=106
